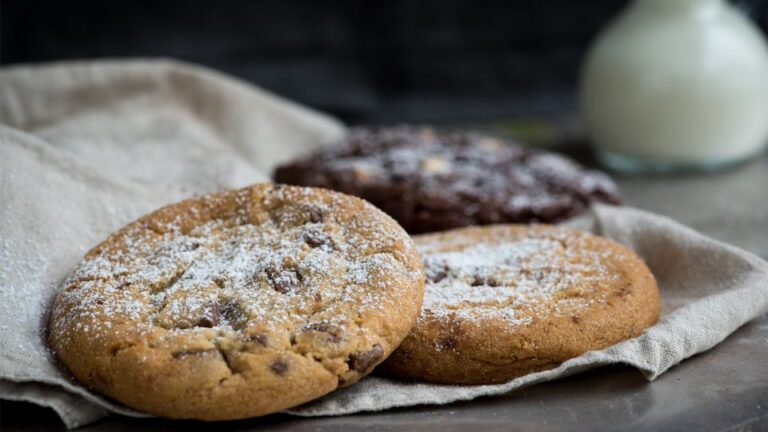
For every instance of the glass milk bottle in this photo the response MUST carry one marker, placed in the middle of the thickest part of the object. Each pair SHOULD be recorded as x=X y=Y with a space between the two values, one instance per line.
x=676 y=84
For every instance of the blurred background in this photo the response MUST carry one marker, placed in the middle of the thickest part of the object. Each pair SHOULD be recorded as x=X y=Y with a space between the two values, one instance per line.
x=365 y=62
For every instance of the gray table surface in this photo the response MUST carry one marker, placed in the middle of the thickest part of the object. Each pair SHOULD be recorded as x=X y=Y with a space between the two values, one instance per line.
x=723 y=389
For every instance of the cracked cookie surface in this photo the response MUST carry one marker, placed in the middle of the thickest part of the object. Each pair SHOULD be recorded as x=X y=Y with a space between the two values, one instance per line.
x=239 y=303
x=506 y=300
x=431 y=181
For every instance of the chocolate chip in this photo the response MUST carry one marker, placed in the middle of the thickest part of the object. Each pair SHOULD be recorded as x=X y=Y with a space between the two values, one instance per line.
x=436 y=275
x=318 y=297
x=575 y=319
x=231 y=311
x=318 y=326
x=286 y=281
x=189 y=245
x=258 y=338
x=210 y=318
x=315 y=215
x=283 y=281
x=233 y=314
x=219 y=281
x=315 y=238
x=205 y=322
x=361 y=361
x=271 y=272
x=477 y=280
x=333 y=332
x=282 y=286
x=279 y=367
x=491 y=281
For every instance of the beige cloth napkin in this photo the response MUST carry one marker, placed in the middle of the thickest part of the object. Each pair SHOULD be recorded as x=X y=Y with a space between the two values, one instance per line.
x=87 y=147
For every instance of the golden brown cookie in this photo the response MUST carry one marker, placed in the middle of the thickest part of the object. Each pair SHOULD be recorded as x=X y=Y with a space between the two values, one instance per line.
x=239 y=303
x=507 y=300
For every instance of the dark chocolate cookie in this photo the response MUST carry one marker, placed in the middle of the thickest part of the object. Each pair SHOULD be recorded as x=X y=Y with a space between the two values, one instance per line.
x=430 y=181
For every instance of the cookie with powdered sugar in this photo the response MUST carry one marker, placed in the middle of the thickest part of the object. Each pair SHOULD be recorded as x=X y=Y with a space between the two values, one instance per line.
x=239 y=303
x=506 y=300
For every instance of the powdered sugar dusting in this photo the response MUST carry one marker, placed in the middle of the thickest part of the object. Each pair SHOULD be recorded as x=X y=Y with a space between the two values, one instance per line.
x=294 y=269
x=431 y=181
x=517 y=280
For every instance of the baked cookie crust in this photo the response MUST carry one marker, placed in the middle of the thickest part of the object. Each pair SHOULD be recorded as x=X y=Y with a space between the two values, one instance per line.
x=431 y=181
x=506 y=300
x=240 y=303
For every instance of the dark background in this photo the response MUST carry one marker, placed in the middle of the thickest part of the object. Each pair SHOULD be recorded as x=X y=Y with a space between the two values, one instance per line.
x=364 y=61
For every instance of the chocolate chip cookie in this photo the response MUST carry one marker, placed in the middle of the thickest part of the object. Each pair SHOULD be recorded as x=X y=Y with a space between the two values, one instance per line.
x=239 y=303
x=507 y=300
x=430 y=181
